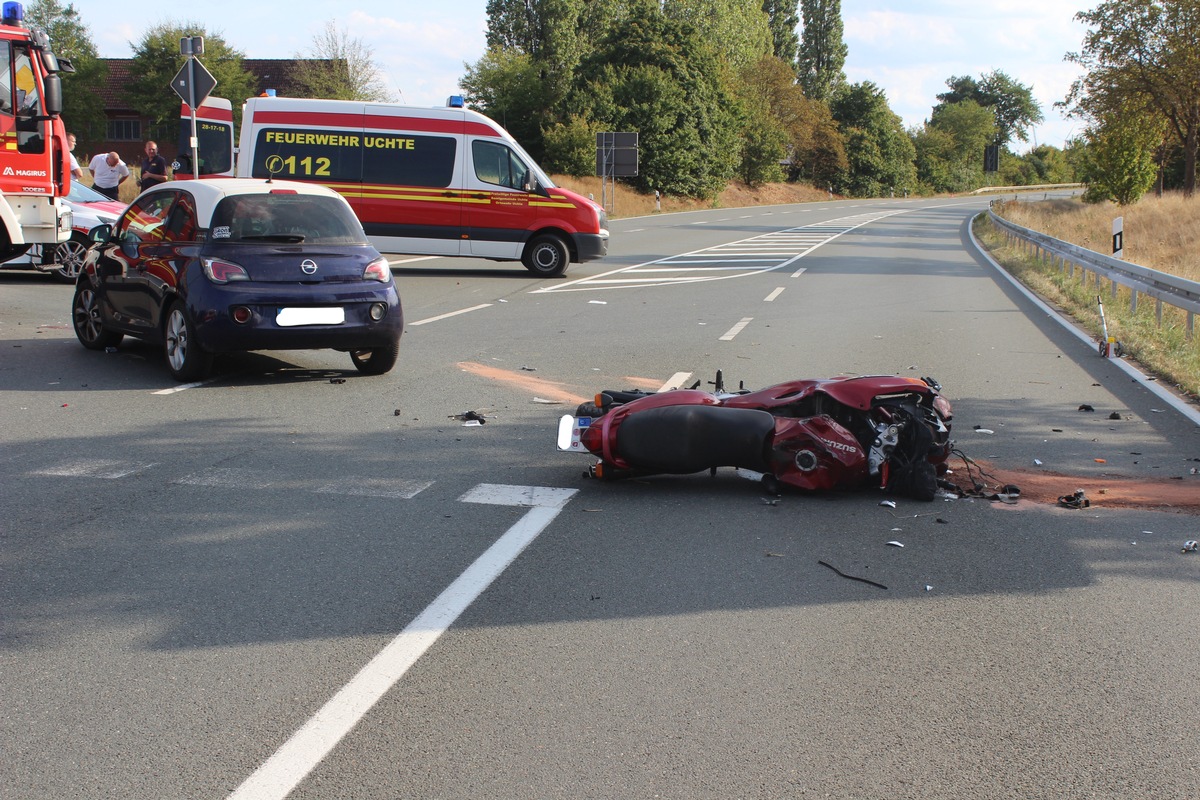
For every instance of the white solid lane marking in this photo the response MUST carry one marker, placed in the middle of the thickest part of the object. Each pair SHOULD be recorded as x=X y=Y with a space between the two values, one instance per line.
x=448 y=315
x=799 y=272
x=736 y=329
x=292 y=762
x=675 y=381
x=773 y=295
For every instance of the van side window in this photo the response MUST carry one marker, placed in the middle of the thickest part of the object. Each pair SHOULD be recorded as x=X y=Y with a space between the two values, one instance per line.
x=498 y=164
x=353 y=156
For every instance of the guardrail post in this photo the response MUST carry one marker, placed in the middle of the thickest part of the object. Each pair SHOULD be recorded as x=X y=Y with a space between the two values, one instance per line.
x=1133 y=293
x=1191 y=318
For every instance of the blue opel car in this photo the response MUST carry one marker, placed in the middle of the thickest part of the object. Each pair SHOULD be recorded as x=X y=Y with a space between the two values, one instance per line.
x=217 y=266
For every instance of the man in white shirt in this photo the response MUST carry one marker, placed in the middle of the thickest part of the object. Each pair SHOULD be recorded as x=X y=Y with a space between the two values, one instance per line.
x=108 y=173
x=76 y=170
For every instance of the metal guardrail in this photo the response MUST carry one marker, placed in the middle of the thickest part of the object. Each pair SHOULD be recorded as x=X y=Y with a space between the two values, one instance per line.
x=1164 y=288
x=1034 y=188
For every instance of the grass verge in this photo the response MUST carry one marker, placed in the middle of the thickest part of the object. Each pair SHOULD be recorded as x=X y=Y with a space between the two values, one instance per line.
x=1160 y=344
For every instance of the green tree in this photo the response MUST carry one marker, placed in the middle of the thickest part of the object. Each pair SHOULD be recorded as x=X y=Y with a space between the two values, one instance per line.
x=813 y=145
x=83 y=106
x=657 y=76
x=506 y=85
x=156 y=60
x=822 y=51
x=1012 y=102
x=550 y=32
x=339 y=67
x=737 y=29
x=880 y=152
x=1142 y=57
x=783 y=18
x=570 y=147
x=1119 y=163
x=949 y=150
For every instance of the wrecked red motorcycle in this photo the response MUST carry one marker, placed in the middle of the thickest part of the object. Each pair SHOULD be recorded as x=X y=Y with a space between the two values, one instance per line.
x=816 y=434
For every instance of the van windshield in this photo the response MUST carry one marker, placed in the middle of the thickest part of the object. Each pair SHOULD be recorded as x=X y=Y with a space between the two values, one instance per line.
x=286 y=218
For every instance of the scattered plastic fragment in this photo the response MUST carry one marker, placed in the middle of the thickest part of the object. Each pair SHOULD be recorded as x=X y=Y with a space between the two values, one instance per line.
x=771 y=501
x=472 y=423
x=598 y=302
x=1076 y=500
x=1190 y=546
x=470 y=416
x=928 y=588
x=894 y=543
x=396 y=413
x=546 y=402
x=528 y=369
x=1037 y=462
x=888 y=503
x=1086 y=407
x=1115 y=415
x=337 y=380
x=988 y=431
x=1100 y=460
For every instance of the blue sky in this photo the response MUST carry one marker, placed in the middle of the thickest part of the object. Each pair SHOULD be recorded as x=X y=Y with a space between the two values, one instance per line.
x=909 y=48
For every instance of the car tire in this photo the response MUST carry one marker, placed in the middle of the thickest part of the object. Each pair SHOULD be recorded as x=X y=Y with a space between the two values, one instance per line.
x=546 y=256
x=185 y=358
x=376 y=360
x=85 y=318
x=69 y=256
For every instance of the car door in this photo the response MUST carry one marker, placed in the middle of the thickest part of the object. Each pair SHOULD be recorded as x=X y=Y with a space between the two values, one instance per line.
x=496 y=211
x=130 y=263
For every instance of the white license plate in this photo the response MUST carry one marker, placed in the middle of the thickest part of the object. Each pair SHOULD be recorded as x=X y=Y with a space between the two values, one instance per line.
x=290 y=317
x=570 y=429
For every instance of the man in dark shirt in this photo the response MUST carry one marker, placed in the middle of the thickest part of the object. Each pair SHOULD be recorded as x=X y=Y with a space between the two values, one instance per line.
x=154 y=167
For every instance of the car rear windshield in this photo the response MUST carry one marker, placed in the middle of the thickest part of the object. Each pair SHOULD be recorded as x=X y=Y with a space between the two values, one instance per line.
x=287 y=218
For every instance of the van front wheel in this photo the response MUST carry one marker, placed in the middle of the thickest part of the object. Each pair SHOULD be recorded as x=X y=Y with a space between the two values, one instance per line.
x=546 y=256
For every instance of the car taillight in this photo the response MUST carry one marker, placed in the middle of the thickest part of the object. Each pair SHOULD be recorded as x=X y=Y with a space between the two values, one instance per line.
x=219 y=271
x=378 y=270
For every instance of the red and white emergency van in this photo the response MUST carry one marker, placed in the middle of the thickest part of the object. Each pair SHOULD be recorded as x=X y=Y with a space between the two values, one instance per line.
x=429 y=181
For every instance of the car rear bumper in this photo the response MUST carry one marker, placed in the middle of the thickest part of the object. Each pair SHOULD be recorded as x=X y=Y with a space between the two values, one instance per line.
x=217 y=331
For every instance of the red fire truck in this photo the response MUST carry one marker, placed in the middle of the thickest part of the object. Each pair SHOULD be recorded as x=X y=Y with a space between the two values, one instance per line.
x=34 y=171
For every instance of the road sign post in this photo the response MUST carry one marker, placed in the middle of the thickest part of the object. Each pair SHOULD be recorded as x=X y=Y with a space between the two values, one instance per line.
x=193 y=83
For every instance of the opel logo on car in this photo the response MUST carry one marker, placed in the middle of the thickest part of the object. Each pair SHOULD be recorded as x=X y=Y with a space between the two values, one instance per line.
x=308 y=266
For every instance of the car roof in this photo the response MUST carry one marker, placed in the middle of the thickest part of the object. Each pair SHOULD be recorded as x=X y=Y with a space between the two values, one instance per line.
x=208 y=193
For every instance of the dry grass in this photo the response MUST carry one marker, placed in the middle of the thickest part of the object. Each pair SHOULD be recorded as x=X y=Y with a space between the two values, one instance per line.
x=1160 y=234
x=629 y=203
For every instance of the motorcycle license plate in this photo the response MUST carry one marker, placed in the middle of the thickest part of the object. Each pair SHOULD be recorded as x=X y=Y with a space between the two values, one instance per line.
x=570 y=429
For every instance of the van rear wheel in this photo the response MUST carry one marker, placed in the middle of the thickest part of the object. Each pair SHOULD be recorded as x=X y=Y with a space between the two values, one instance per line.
x=546 y=256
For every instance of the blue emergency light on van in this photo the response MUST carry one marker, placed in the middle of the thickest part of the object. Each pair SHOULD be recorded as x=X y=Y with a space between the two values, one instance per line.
x=13 y=12
x=454 y=101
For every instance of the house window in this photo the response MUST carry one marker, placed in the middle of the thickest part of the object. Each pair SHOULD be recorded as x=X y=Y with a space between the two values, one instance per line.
x=125 y=130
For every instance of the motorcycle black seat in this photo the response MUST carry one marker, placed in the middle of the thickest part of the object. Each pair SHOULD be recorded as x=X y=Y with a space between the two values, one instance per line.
x=690 y=438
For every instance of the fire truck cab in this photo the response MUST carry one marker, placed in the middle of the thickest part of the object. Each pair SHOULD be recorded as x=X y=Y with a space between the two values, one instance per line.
x=33 y=155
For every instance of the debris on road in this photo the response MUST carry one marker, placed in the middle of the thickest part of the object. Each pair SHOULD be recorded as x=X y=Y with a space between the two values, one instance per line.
x=851 y=577
x=1190 y=546
x=470 y=417
x=1076 y=500
x=895 y=543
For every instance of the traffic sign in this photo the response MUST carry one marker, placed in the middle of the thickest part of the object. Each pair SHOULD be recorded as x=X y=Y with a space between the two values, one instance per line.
x=193 y=83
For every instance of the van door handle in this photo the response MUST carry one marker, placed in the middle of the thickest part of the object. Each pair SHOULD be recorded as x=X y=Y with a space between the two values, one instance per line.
x=479 y=196
x=447 y=194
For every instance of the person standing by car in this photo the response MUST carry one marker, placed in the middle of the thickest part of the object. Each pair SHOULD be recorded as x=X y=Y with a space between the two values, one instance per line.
x=108 y=173
x=76 y=170
x=154 y=168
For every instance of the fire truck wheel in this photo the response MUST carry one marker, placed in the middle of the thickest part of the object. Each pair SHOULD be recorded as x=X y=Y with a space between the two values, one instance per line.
x=546 y=256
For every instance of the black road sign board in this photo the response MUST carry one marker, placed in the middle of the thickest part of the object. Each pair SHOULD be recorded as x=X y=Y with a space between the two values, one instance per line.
x=193 y=84
x=616 y=154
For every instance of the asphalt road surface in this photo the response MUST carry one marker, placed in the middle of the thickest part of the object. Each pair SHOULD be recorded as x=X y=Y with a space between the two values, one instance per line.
x=294 y=581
